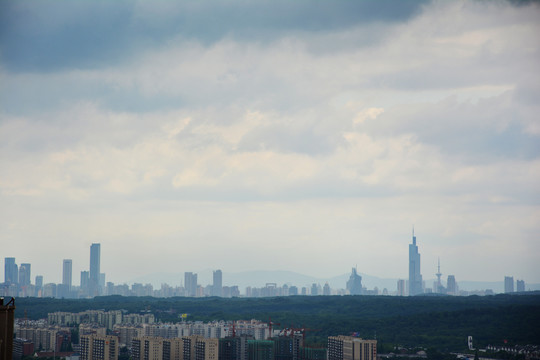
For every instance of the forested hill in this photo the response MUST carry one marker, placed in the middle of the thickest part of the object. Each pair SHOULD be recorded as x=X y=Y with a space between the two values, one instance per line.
x=441 y=321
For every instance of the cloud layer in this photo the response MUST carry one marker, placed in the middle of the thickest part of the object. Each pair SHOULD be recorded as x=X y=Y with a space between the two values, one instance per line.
x=186 y=136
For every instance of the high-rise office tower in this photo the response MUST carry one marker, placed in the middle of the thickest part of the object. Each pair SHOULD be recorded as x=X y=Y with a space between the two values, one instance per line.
x=85 y=281
x=67 y=273
x=11 y=271
x=95 y=255
x=451 y=286
x=190 y=283
x=401 y=290
x=326 y=289
x=354 y=284
x=217 y=286
x=39 y=282
x=25 y=274
x=508 y=284
x=520 y=285
x=415 y=278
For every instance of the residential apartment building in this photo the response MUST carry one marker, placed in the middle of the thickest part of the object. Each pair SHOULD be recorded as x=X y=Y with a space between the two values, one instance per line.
x=351 y=348
x=95 y=347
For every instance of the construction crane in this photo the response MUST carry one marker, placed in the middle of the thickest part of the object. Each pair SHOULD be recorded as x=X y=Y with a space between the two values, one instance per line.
x=270 y=324
x=297 y=331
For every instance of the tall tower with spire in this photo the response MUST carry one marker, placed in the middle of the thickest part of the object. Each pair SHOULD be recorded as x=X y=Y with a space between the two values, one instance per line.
x=415 y=278
x=439 y=285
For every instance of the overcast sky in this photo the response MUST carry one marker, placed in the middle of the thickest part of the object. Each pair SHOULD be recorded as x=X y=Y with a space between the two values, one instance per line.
x=254 y=135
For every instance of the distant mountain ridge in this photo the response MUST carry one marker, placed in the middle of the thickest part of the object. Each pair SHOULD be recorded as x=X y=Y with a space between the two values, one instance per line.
x=260 y=278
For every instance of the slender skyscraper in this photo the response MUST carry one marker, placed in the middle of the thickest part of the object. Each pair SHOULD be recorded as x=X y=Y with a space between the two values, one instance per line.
x=401 y=290
x=11 y=271
x=95 y=254
x=85 y=281
x=190 y=284
x=451 y=285
x=508 y=284
x=415 y=278
x=520 y=285
x=67 y=273
x=217 y=286
x=25 y=275
x=39 y=282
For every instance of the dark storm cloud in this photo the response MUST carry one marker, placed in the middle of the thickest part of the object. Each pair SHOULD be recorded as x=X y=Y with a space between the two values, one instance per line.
x=53 y=35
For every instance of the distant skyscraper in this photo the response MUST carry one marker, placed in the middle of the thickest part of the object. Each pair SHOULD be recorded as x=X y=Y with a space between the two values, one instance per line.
x=67 y=273
x=326 y=290
x=85 y=280
x=415 y=278
x=520 y=285
x=38 y=288
x=95 y=262
x=508 y=284
x=95 y=255
x=39 y=282
x=451 y=286
x=293 y=290
x=11 y=271
x=190 y=284
x=25 y=274
x=354 y=284
x=217 y=285
x=401 y=289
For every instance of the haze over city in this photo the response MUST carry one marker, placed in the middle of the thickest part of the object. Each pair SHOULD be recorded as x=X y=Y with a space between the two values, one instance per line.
x=300 y=136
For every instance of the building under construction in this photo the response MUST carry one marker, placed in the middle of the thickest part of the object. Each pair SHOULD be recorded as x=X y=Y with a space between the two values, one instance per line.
x=7 y=317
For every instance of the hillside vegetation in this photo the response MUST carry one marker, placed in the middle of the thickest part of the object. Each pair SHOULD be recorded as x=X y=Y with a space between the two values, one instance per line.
x=443 y=322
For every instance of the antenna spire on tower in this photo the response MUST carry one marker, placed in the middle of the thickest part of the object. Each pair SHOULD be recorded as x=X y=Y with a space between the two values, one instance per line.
x=439 y=285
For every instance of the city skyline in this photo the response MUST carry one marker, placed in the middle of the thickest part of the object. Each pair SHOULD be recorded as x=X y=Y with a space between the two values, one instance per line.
x=95 y=259
x=93 y=283
x=271 y=135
